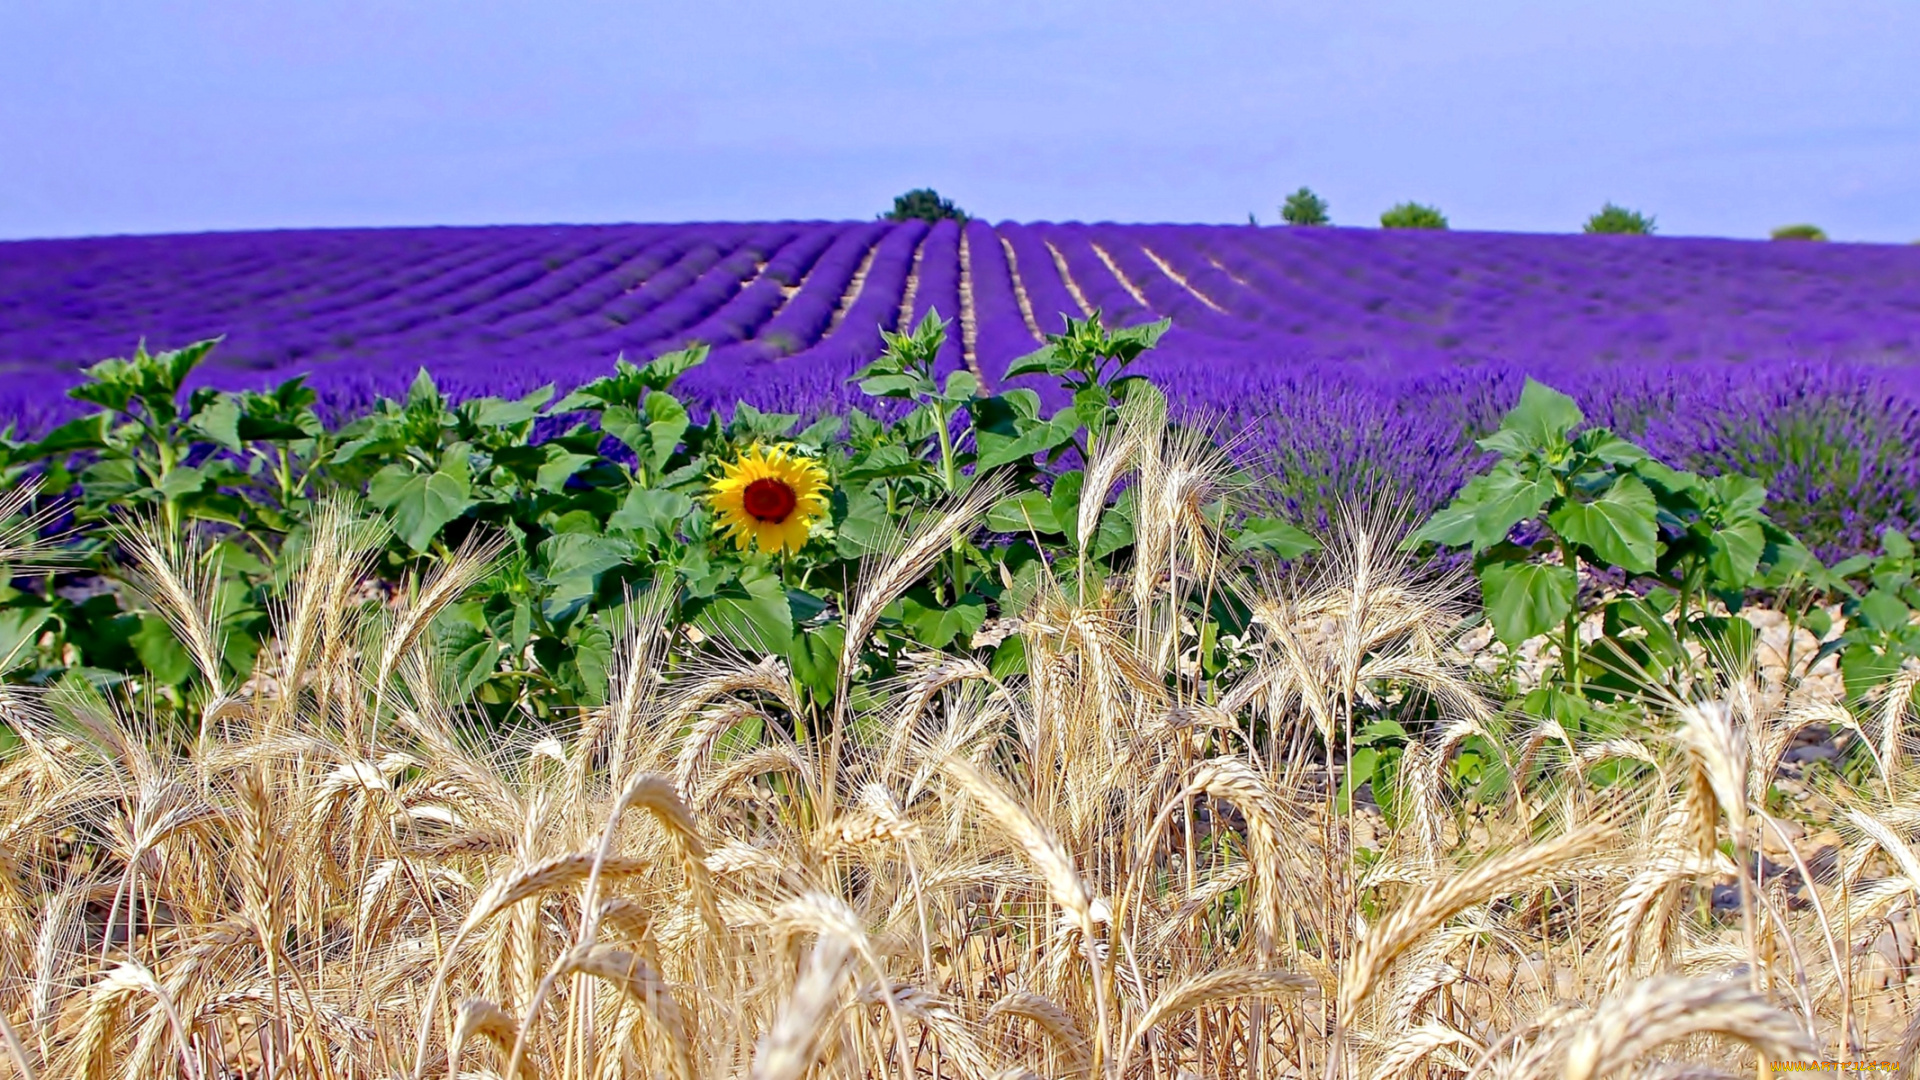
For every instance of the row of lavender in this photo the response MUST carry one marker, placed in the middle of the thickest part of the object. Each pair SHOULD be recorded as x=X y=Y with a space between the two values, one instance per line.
x=1346 y=357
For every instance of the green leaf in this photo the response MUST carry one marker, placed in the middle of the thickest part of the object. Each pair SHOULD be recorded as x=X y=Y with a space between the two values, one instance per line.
x=1486 y=509
x=1027 y=512
x=220 y=421
x=575 y=555
x=882 y=462
x=815 y=660
x=864 y=527
x=822 y=431
x=1864 y=669
x=160 y=650
x=961 y=386
x=1543 y=417
x=623 y=423
x=1734 y=554
x=895 y=386
x=1064 y=500
x=182 y=480
x=666 y=425
x=496 y=413
x=936 y=626
x=660 y=372
x=1605 y=446
x=1526 y=600
x=1360 y=771
x=590 y=655
x=84 y=433
x=1738 y=496
x=1043 y=361
x=652 y=512
x=571 y=565
x=470 y=655
x=1276 y=536
x=997 y=449
x=1116 y=528
x=750 y=423
x=18 y=627
x=423 y=394
x=1619 y=527
x=751 y=614
x=421 y=504
x=1883 y=611
x=561 y=464
x=1667 y=480
x=1895 y=543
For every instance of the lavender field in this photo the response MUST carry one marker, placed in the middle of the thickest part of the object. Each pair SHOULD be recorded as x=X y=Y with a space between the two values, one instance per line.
x=1342 y=359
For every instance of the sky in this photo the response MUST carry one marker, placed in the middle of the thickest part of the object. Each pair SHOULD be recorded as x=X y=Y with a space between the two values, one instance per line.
x=1718 y=118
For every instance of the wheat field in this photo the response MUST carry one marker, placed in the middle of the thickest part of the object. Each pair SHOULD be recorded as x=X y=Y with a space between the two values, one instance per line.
x=1110 y=865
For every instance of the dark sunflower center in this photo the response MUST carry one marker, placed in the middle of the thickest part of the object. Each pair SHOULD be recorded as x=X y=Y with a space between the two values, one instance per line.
x=769 y=500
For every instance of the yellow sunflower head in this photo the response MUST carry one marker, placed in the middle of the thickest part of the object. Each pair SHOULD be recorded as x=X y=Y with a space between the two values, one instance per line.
x=769 y=497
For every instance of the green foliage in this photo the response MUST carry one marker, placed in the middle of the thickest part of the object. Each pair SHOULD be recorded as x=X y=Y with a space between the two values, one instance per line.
x=1799 y=232
x=1412 y=215
x=1303 y=207
x=608 y=508
x=1561 y=498
x=1611 y=219
x=1882 y=593
x=923 y=204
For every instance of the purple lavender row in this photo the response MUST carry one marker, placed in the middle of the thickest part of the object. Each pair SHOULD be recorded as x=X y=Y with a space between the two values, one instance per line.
x=1095 y=281
x=664 y=327
x=1047 y=293
x=807 y=313
x=740 y=317
x=937 y=289
x=824 y=365
x=1165 y=296
x=807 y=316
x=1001 y=333
x=567 y=292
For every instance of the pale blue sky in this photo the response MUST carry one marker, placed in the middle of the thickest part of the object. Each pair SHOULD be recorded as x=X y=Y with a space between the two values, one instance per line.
x=1721 y=118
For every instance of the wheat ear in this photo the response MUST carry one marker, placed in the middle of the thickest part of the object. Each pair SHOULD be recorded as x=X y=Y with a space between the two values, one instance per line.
x=1386 y=940
x=788 y=1047
x=501 y=893
x=15 y=1048
x=1623 y=1030
x=638 y=980
x=1053 y=1020
x=472 y=562
x=1205 y=989
x=481 y=1017
x=1413 y=1047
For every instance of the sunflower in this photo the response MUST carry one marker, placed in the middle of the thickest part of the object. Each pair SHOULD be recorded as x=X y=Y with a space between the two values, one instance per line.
x=769 y=496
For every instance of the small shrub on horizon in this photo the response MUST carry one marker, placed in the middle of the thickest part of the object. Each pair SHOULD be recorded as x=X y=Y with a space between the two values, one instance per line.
x=1618 y=220
x=1303 y=207
x=1413 y=215
x=924 y=204
x=1799 y=232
